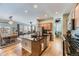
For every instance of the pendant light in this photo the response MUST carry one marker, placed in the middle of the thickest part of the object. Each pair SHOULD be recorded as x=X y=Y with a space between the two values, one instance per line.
x=10 y=20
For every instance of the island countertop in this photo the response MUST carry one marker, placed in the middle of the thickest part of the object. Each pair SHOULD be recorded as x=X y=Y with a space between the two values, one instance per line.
x=28 y=37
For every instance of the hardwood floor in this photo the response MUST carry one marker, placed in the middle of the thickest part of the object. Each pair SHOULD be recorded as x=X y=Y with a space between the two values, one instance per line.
x=55 y=49
x=14 y=50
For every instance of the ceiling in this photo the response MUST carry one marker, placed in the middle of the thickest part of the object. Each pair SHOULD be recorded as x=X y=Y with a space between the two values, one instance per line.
x=17 y=10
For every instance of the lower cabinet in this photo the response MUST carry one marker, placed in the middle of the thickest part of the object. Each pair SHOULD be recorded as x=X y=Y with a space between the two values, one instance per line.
x=38 y=47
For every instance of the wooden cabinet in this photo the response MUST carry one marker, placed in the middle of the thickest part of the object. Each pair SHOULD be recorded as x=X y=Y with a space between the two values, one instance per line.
x=38 y=47
x=47 y=26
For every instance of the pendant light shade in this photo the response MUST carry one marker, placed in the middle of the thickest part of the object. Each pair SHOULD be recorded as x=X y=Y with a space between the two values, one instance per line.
x=10 y=20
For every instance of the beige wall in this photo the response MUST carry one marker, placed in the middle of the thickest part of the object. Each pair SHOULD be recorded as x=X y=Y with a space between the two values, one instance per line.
x=77 y=16
x=70 y=17
x=65 y=18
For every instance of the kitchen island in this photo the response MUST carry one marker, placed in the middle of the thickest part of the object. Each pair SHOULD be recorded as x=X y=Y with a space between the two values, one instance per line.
x=35 y=46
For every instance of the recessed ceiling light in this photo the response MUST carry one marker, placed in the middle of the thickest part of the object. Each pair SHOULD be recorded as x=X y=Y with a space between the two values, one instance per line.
x=56 y=12
x=26 y=11
x=35 y=6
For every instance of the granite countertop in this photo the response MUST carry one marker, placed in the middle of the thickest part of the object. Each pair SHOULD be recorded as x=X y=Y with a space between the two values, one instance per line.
x=28 y=37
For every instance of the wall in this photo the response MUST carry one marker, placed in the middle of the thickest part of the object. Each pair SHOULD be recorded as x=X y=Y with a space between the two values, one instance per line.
x=74 y=14
x=77 y=16
x=65 y=18
x=70 y=17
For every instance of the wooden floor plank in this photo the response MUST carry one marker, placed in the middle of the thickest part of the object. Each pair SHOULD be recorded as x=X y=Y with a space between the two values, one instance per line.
x=55 y=48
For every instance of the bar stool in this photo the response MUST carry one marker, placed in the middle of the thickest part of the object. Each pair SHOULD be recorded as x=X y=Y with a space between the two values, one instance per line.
x=2 y=42
x=13 y=39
